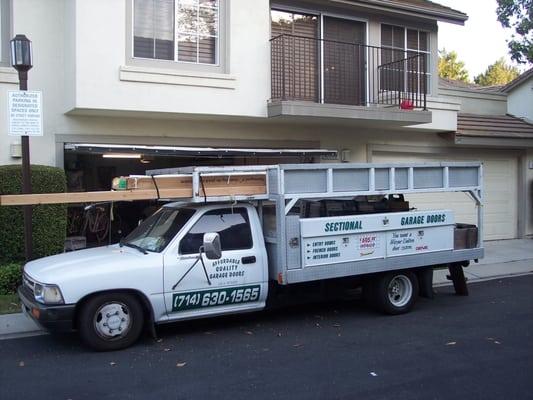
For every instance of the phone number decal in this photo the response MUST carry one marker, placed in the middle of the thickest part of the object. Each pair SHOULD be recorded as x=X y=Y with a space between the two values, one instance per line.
x=213 y=298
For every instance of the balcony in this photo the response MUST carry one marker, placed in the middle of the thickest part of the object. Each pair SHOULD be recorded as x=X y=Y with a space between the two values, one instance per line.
x=332 y=79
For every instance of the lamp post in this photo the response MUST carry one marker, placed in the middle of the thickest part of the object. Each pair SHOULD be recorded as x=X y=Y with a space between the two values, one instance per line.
x=21 y=60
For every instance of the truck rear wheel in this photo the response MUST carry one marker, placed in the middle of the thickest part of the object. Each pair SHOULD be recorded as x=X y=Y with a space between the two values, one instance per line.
x=110 y=321
x=393 y=292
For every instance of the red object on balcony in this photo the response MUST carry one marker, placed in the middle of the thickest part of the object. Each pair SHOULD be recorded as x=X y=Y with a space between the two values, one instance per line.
x=407 y=105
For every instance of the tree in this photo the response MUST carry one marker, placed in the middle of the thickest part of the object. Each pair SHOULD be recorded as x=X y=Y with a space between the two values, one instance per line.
x=517 y=15
x=451 y=68
x=499 y=73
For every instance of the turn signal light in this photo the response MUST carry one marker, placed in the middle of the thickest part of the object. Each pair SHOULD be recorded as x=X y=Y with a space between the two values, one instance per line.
x=35 y=312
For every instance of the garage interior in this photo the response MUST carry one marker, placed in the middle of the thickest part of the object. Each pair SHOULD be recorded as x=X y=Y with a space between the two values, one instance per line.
x=92 y=167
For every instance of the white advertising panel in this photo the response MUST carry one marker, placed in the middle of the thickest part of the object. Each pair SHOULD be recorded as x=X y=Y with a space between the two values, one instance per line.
x=356 y=238
x=311 y=227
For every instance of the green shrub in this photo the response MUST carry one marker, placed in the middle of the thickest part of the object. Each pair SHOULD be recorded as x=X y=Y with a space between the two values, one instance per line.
x=49 y=222
x=10 y=278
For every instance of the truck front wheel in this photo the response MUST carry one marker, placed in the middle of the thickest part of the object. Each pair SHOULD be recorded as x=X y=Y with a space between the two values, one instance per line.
x=393 y=292
x=110 y=321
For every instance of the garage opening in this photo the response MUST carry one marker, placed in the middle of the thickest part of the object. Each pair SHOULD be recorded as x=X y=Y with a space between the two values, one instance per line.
x=92 y=166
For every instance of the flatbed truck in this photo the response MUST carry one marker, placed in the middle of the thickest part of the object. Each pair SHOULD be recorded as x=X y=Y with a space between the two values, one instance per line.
x=205 y=256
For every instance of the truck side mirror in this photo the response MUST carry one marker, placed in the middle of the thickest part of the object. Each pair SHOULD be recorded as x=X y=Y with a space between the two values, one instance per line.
x=212 y=248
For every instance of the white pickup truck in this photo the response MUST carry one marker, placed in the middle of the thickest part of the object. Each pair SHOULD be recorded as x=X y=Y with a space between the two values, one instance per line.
x=208 y=257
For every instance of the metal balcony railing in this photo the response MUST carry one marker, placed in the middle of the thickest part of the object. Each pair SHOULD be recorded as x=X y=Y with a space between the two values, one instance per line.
x=333 y=72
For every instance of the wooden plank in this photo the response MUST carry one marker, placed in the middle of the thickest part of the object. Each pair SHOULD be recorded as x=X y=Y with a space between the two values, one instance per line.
x=231 y=185
x=163 y=182
x=143 y=188
x=92 y=197
x=233 y=191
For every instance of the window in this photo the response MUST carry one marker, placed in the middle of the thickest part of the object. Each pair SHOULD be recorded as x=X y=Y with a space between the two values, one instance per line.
x=156 y=232
x=5 y=33
x=404 y=44
x=294 y=55
x=293 y=24
x=177 y=30
x=232 y=225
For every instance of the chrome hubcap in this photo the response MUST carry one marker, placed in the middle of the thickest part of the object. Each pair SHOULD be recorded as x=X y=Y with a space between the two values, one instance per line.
x=112 y=321
x=400 y=290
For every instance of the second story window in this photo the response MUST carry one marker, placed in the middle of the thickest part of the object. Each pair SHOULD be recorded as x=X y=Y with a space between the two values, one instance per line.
x=177 y=30
x=399 y=43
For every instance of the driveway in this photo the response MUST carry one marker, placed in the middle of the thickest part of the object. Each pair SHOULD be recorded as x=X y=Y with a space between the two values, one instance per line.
x=477 y=347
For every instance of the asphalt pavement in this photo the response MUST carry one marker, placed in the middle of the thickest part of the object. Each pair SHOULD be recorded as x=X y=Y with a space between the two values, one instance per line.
x=451 y=347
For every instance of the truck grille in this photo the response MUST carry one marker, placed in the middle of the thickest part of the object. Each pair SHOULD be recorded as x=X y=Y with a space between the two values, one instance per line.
x=28 y=283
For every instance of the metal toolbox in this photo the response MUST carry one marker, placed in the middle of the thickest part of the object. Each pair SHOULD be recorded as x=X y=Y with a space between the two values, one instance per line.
x=465 y=236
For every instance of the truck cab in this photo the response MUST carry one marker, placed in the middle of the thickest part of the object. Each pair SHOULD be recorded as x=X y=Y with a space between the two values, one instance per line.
x=158 y=271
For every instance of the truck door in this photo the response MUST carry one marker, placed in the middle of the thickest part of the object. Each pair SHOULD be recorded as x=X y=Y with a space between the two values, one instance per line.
x=235 y=282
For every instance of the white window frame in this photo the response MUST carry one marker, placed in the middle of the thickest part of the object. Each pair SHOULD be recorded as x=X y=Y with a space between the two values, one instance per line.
x=177 y=32
x=406 y=51
x=221 y=49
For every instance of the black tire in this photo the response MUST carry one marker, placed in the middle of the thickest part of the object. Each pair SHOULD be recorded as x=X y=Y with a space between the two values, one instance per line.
x=123 y=320
x=381 y=292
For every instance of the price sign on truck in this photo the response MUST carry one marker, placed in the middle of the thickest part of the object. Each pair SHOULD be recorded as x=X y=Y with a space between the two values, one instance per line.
x=25 y=113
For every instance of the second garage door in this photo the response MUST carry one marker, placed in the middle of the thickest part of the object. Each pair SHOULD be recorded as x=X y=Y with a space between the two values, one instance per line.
x=500 y=184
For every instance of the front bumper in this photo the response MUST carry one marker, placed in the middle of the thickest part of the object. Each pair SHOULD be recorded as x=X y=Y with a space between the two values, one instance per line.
x=58 y=318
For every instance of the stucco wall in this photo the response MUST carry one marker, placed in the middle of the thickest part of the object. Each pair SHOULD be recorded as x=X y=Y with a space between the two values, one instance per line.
x=477 y=103
x=43 y=23
x=520 y=100
x=101 y=54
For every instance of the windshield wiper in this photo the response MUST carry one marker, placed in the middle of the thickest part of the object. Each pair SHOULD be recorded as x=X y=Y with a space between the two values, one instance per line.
x=133 y=246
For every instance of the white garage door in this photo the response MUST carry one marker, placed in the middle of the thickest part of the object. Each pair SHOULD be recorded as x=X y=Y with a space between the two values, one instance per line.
x=500 y=184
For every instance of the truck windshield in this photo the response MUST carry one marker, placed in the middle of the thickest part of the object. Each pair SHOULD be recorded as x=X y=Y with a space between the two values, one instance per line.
x=156 y=232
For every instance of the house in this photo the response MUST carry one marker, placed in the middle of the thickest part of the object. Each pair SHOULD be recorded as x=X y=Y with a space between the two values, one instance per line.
x=520 y=96
x=131 y=85
x=496 y=125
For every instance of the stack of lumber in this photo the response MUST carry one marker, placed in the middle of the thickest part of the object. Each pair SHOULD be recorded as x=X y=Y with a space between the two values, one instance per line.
x=142 y=187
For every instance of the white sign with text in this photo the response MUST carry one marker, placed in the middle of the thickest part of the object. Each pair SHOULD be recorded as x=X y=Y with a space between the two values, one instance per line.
x=25 y=113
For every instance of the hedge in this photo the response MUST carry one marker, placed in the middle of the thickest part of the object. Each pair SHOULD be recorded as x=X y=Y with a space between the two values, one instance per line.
x=49 y=222
x=10 y=278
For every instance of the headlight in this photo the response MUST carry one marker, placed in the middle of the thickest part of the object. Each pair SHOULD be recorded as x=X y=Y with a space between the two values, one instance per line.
x=47 y=294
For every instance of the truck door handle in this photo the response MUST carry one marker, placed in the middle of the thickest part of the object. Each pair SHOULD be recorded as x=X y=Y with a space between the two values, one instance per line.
x=248 y=260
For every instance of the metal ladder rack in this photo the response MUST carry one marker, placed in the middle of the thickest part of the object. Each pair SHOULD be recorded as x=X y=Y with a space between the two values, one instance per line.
x=338 y=180
x=289 y=183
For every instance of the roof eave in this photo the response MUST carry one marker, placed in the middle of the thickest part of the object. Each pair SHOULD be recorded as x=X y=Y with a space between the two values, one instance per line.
x=457 y=18
x=518 y=81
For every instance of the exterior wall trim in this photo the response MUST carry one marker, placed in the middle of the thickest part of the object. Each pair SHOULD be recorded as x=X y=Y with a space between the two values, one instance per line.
x=443 y=91
x=177 y=77
x=332 y=111
x=454 y=18
x=493 y=142
x=60 y=139
x=8 y=75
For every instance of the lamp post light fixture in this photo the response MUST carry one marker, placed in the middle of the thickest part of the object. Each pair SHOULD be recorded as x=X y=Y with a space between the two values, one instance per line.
x=21 y=60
